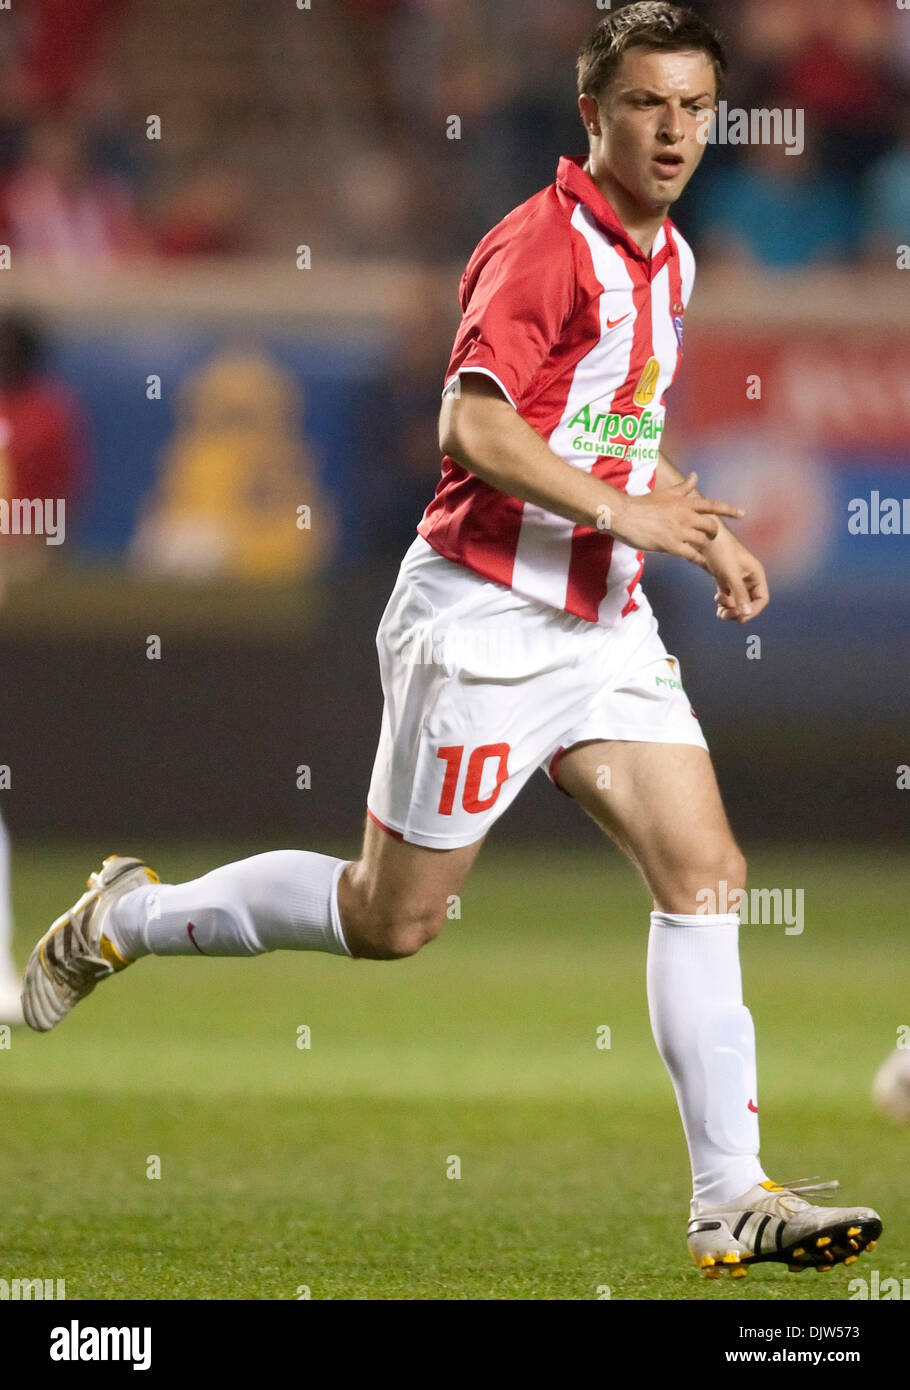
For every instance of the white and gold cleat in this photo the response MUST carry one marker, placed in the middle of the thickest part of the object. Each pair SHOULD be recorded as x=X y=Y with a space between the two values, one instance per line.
x=74 y=954
x=774 y=1222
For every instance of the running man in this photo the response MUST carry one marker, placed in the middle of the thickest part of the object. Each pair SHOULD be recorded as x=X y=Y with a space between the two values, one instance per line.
x=518 y=637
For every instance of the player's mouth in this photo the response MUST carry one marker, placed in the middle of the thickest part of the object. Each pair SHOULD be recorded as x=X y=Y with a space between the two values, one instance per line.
x=667 y=165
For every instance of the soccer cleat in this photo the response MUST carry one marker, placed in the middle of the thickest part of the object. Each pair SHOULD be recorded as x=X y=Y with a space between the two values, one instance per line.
x=773 y=1221
x=74 y=954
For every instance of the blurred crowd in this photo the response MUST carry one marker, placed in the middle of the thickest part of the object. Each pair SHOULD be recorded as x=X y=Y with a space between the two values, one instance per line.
x=332 y=125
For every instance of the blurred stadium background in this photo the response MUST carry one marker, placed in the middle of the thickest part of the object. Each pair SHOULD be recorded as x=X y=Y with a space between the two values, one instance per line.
x=175 y=259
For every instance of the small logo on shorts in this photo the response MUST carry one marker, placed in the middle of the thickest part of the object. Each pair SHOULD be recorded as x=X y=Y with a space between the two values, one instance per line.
x=667 y=680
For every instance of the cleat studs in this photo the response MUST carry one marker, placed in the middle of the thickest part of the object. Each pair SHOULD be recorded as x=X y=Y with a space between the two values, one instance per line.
x=796 y=1269
x=731 y=1258
x=851 y=1259
x=711 y=1272
x=853 y=1244
x=823 y=1269
x=822 y=1241
x=738 y=1271
x=707 y=1262
x=854 y=1231
x=798 y=1254
x=871 y=1244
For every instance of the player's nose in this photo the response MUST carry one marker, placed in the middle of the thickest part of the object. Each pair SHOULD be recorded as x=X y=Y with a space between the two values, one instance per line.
x=670 y=129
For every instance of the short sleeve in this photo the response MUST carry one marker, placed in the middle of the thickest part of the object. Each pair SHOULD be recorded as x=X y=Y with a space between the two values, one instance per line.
x=517 y=295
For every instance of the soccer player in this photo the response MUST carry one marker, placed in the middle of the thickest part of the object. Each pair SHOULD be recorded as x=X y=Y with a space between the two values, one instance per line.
x=518 y=637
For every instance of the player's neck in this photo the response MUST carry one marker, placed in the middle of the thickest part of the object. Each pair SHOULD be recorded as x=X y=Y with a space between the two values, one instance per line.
x=641 y=223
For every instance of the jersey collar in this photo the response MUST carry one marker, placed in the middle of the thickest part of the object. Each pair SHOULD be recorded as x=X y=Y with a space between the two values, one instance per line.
x=571 y=177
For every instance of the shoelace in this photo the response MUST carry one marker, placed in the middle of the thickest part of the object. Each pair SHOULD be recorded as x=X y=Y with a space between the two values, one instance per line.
x=801 y=1185
x=76 y=972
x=87 y=965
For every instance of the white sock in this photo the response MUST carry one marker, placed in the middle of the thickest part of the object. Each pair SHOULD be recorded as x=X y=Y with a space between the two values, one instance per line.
x=8 y=972
x=287 y=899
x=705 y=1036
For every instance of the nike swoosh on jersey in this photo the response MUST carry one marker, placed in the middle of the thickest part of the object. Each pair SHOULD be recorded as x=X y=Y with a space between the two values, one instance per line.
x=612 y=323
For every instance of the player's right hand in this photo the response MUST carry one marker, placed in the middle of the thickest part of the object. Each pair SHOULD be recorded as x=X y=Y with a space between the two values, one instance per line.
x=674 y=520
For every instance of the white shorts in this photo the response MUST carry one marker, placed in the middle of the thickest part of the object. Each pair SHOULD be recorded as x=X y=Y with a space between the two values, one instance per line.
x=482 y=687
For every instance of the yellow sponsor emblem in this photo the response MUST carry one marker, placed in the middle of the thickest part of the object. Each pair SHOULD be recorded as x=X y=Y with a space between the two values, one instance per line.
x=647 y=382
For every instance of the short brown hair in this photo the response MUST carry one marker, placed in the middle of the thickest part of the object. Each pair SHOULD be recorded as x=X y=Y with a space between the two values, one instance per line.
x=647 y=24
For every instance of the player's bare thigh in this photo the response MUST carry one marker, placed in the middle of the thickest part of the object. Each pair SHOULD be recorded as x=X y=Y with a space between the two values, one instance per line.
x=393 y=899
x=662 y=806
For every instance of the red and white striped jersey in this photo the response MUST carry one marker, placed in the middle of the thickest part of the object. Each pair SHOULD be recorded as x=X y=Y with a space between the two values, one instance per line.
x=583 y=333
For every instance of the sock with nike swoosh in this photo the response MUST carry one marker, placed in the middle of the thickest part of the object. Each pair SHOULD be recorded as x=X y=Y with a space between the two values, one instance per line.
x=705 y=1036
x=281 y=900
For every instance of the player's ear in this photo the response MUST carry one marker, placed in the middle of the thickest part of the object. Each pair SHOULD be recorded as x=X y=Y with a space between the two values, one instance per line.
x=589 y=113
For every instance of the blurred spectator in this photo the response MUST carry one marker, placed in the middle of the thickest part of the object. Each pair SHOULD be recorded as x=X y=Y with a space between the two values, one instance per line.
x=208 y=215
x=776 y=210
x=63 y=42
x=404 y=415
x=55 y=205
x=43 y=433
x=44 y=426
x=886 y=201
x=848 y=98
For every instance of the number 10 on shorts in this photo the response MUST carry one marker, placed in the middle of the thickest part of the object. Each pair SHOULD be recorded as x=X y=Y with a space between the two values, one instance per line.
x=471 y=800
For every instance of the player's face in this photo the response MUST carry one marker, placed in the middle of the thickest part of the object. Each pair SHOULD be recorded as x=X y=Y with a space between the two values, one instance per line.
x=649 y=120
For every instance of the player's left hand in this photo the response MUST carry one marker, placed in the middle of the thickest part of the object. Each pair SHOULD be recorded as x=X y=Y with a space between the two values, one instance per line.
x=742 y=588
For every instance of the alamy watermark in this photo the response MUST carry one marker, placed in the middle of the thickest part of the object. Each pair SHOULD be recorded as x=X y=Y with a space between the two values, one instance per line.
x=878 y=516
x=26 y=1290
x=875 y=1287
x=759 y=126
x=85 y=1343
x=34 y=516
x=468 y=646
x=763 y=907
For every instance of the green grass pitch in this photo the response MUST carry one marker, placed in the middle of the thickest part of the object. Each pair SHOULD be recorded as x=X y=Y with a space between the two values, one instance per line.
x=325 y=1168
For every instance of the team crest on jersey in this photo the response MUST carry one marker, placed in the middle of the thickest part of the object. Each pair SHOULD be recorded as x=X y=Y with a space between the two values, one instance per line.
x=647 y=382
x=677 y=310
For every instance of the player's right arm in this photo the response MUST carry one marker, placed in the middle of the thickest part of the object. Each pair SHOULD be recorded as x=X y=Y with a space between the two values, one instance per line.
x=483 y=432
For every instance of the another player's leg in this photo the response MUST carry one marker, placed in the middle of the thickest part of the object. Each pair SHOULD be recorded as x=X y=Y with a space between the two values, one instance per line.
x=10 y=1007
x=383 y=906
x=663 y=808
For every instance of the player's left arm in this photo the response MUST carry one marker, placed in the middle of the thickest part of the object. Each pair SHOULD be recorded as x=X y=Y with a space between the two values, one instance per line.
x=742 y=588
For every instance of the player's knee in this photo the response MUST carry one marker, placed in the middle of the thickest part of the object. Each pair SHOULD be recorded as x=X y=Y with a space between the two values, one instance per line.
x=704 y=887
x=395 y=934
x=406 y=938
